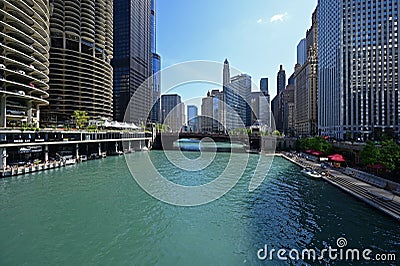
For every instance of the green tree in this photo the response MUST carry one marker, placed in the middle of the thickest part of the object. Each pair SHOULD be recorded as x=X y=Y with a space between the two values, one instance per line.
x=370 y=154
x=80 y=117
x=390 y=155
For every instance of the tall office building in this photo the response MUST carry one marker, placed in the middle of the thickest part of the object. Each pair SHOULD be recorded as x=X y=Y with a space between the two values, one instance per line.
x=172 y=112
x=358 y=68
x=288 y=110
x=306 y=82
x=280 y=80
x=302 y=52
x=81 y=49
x=192 y=117
x=264 y=86
x=132 y=60
x=226 y=76
x=207 y=113
x=24 y=61
x=156 y=67
x=237 y=96
x=276 y=115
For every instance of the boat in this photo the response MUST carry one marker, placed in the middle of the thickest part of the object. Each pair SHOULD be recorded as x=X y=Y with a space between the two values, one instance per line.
x=83 y=158
x=310 y=173
x=68 y=160
x=120 y=153
x=144 y=148
x=103 y=155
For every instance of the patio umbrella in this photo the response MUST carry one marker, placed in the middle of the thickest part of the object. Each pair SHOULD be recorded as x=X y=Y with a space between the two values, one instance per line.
x=317 y=153
x=337 y=158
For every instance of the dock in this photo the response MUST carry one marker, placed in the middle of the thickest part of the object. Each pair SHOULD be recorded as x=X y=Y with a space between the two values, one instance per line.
x=384 y=200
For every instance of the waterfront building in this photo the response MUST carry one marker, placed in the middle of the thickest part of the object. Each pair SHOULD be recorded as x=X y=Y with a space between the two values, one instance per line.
x=192 y=114
x=358 y=68
x=237 y=97
x=218 y=110
x=302 y=52
x=132 y=60
x=306 y=81
x=24 y=61
x=172 y=112
x=80 y=56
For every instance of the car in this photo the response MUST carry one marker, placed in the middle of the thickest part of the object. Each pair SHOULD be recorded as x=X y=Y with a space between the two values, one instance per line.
x=2 y=66
x=21 y=72
x=32 y=66
x=20 y=92
x=32 y=85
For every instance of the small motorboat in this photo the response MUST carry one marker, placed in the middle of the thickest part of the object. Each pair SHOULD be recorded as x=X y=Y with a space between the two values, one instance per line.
x=310 y=173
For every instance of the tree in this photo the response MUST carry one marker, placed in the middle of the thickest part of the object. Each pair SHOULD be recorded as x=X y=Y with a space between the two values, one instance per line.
x=80 y=117
x=370 y=154
x=390 y=155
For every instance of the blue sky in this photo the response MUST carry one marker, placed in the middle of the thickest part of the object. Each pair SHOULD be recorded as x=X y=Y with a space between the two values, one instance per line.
x=256 y=36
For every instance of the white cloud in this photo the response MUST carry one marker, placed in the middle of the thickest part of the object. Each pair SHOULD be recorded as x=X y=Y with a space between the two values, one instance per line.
x=260 y=20
x=279 y=17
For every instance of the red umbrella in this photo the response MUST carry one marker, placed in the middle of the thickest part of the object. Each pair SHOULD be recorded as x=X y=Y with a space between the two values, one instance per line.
x=337 y=158
x=309 y=151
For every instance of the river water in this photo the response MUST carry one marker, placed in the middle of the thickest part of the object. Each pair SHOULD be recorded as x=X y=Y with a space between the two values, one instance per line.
x=95 y=213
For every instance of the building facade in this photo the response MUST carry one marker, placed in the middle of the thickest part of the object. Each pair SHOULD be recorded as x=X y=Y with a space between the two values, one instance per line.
x=172 y=112
x=280 y=80
x=306 y=81
x=192 y=118
x=80 y=55
x=132 y=60
x=237 y=97
x=358 y=68
x=302 y=52
x=24 y=61
x=156 y=68
x=288 y=110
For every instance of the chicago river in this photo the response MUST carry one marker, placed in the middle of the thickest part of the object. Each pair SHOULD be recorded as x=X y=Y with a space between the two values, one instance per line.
x=96 y=213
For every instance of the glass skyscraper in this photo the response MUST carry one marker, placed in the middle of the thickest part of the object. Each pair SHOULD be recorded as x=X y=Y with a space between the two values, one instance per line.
x=156 y=67
x=132 y=60
x=358 y=68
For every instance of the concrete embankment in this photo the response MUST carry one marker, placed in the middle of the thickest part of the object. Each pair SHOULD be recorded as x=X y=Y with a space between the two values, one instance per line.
x=379 y=198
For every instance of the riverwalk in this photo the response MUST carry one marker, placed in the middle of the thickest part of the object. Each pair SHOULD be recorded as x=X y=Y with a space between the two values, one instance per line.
x=380 y=198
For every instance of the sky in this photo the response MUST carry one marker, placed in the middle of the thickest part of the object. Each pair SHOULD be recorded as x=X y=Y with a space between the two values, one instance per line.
x=255 y=36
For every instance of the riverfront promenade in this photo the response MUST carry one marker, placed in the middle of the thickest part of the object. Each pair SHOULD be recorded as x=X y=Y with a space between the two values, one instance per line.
x=380 y=198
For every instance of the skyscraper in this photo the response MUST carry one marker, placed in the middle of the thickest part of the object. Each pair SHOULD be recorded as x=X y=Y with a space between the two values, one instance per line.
x=280 y=80
x=156 y=67
x=302 y=52
x=306 y=81
x=264 y=86
x=172 y=111
x=358 y=68
x=226 y=74
x=132 y=59
x=237 y=96
x=80 y=54
x=24 y=61
x=192 y=117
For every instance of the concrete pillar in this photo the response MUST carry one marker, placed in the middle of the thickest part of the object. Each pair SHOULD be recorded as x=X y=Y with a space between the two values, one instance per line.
x=116 y=147
x=37 y=115
x=77 y=151
x=3 y=121
x=46 y=153
x=99 y=148
x=129 y=145
x=29 y=113
x=3 y=159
